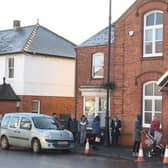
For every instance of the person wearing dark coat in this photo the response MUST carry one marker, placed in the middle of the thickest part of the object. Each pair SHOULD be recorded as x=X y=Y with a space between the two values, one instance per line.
x=115 y=130
x=137 y=134
x=96 y=131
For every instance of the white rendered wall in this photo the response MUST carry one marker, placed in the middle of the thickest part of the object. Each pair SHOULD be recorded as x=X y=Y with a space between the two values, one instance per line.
x=18 y=81
x=48 y=76
x=40 y=75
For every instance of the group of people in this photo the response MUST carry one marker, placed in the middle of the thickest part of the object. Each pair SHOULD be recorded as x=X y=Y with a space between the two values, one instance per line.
x=154 y=129
x=79 y=130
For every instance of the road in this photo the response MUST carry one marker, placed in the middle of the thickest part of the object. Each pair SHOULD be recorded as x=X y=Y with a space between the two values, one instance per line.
x=26 y=159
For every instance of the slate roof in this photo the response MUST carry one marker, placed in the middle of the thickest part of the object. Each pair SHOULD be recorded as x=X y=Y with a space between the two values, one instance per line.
x=35 y=39
x=101 y=38
x=7 y=93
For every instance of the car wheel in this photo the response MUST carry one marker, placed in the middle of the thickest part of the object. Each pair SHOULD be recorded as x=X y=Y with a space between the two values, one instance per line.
x=4 y=143
x=36 y=147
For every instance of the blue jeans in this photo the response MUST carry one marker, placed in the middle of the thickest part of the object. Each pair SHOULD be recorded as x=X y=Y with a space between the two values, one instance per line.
x=82 y=137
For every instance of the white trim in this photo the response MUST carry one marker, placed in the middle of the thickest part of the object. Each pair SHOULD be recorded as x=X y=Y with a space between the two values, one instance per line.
x=93 y=92
x=153 y=28
x=37 y=101
x=153 y=99
x=7 y=67
x=93 y=65
x=162 y=78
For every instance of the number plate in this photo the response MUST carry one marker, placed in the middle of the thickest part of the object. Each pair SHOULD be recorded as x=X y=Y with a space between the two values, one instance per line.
x=62 y=142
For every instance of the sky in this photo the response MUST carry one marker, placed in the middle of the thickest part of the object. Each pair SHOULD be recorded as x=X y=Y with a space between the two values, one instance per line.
x=75 y=20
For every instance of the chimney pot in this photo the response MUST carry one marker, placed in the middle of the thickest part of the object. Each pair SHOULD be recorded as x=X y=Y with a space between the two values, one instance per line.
x=16 y=24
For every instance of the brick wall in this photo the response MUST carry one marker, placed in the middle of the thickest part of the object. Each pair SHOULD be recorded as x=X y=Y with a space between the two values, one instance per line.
x=7 y=106
x=129 y=69
x=48 y=105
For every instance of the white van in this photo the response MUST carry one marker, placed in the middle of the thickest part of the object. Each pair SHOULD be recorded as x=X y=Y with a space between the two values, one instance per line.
x=36 y=131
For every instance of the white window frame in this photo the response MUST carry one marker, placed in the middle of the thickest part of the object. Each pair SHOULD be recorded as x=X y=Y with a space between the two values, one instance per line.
x=153 y=98
x=10 y=68
x=38 y=110
x=93 y=66
x=153 y=28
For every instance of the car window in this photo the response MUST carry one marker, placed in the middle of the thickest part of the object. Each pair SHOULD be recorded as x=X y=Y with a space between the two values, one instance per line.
x=45 y=123
x=14 y=122
x=25 y=123
x=5 y=122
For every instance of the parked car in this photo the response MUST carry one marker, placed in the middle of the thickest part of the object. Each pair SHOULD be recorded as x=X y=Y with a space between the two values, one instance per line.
x=36 y=131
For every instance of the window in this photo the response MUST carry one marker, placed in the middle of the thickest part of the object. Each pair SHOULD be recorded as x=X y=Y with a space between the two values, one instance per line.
x=152 y=103
x=5 y=122
x=95 y=105
x=153 y=34
x=25 y=124
x=10 y=67
x=98 y=65
x=35 y=106
x=14 y=122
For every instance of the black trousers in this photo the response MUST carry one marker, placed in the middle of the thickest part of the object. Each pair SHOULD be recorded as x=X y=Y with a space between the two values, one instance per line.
x=115 y=139
x=136 y=146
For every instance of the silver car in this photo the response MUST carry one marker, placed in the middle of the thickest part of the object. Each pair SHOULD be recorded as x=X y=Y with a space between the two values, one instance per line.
x=36 y=131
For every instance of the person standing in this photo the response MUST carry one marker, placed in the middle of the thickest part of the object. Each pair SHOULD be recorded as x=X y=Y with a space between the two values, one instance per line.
x=155 y=126
x=73 y=127
x=96 y=132
x=82 y=129
x=115 y=130
x=137 y=134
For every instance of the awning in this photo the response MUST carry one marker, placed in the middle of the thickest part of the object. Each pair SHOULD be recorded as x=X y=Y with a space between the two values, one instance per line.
x=163 y=82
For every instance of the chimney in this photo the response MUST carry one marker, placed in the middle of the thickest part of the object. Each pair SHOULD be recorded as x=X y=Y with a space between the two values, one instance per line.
x=16 y=24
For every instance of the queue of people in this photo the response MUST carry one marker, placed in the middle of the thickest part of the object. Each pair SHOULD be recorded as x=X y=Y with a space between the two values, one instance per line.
x=79 y=131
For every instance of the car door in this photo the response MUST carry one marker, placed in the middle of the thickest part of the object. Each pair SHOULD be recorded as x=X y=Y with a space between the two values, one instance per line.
x=25 y=131
x=13 y=131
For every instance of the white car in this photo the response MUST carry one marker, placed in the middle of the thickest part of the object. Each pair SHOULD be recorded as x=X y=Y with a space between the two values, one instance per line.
x=36 y=131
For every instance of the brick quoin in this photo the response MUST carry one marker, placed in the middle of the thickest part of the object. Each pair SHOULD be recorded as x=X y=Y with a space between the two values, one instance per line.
x=129 y=69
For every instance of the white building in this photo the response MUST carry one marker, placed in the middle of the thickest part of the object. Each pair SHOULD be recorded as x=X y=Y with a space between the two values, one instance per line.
x=40 y=66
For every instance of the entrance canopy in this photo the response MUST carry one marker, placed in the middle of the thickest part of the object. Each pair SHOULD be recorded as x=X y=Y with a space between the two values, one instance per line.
x=163 y=82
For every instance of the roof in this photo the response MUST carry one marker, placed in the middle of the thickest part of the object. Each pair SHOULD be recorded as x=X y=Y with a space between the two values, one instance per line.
x=163 y=81
x=7 y=93
x=101 y=38
x=35 y=39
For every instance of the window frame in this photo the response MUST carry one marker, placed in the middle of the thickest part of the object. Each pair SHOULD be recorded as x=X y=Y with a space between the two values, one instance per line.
x=153 y=98
x=25 y=128
x=153 y=28
x=100 y=66
x=10 y=67
x=39 y=104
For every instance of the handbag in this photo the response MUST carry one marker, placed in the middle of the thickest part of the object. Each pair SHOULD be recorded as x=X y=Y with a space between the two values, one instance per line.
x=97 y=139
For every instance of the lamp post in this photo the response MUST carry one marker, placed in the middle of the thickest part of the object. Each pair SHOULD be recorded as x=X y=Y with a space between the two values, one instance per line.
x=107 y=141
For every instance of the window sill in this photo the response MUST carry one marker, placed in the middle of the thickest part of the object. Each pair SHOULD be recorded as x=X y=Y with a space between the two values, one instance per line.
x=151 y=58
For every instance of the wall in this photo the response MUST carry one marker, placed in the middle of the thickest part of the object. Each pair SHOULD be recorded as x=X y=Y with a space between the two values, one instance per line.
x=40 y=75
x=48 y=76
x=129 y=69
x=48 y=104
x=7 y=106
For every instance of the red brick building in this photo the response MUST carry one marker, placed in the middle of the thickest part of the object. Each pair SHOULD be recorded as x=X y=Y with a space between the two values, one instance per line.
x=139 y=57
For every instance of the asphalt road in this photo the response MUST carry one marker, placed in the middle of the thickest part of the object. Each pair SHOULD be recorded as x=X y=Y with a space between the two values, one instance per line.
x=26 y=159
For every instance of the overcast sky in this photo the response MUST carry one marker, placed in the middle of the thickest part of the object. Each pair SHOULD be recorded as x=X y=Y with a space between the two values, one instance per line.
x=75 y=20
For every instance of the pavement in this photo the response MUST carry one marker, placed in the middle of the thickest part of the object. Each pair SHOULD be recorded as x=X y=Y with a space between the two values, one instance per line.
x=116 y=152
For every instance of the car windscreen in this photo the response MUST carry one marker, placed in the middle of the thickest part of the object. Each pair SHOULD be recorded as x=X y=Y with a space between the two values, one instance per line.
x=45 y=123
